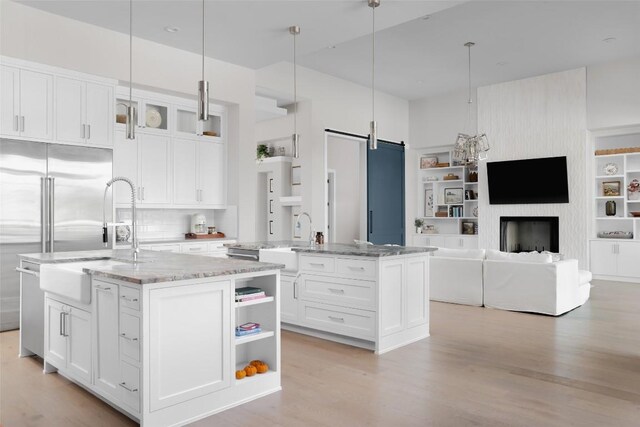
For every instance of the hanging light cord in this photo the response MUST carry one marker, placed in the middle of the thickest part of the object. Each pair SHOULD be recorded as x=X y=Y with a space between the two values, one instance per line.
x=130 y=52
x=373 y=64
x=295 y=88
x=203 y=40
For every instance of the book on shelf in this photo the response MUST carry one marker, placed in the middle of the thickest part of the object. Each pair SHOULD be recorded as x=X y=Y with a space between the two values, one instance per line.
x=249 y=297
x=243 y=333
x=247 y=290
x=249 y=326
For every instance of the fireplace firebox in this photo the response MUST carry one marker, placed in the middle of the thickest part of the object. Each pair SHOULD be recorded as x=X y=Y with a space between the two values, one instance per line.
x=529 y=233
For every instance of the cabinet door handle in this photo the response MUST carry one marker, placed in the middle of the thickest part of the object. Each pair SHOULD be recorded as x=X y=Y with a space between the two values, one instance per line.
x=295 y=290
x=129 y=299
x=21 y=123
x=270 y=185
x=270 y=227
x=139 y=193
x=142 y=193
x=124 y=386
x=27 y=271
x=61 y=323
x=100 y=288
x=352 y=267
x=195 y=249
x=15 y=124
x=88 y=131
x=84 y=131
x=337 y=291
x=337 y=319
x=319 y=264
x=64 y=324
x=123 y=335
x=270 y=206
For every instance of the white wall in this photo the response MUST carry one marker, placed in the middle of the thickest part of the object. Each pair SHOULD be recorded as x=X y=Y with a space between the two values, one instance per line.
x=335 y=104
x=538 y=117
x=613 y=94
x=343 y=157
x=38 y=36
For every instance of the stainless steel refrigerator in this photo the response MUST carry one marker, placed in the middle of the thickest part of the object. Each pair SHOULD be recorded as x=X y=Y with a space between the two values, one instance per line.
x=50 y=201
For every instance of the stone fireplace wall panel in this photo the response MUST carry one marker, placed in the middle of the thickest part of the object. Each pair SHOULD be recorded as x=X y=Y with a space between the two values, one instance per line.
x=538 y=117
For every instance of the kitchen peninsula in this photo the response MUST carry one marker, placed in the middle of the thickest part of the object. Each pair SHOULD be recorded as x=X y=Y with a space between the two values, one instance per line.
x=155 y=338
x=370 y=296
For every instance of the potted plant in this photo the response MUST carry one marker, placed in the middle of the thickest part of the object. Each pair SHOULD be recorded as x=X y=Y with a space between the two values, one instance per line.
x=634 y=189
x=418 y=223
x=262 y=152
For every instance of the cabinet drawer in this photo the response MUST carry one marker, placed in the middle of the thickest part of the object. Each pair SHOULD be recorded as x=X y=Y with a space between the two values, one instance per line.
x=344 y=292
x=345 y=321
x=129 y=298
x=166 y=248
x=356 y=267
x=130 y=386
x=193 y=248
x=130 y=336
x=218 y=246
x=317 y=264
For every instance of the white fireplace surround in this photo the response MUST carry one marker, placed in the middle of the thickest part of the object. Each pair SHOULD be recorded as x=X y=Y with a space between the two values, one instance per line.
x=538 y=117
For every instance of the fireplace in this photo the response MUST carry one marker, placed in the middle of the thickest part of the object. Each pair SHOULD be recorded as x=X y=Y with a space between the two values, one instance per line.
x=529 y=233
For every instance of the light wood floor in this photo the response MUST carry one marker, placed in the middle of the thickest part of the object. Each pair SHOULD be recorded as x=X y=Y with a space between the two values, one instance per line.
x=480 y=367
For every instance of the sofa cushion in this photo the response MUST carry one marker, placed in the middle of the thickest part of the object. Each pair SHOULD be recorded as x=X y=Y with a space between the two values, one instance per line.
x=460 y=253
x=555 y=257
x=532 y=257
x=584 y=276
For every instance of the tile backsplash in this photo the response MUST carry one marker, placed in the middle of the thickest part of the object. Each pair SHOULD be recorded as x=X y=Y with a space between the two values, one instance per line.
x=174 y=223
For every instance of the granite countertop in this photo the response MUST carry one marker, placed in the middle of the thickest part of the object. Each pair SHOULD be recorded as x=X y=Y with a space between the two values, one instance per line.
x=161 y=241
x=363 y=250
x=154 y=267
x=334 y=248
x=268 y=245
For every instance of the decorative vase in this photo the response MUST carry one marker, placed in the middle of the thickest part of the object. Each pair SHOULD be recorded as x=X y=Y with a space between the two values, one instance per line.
x=610 y=208
x=418 y=230
x=634 y=195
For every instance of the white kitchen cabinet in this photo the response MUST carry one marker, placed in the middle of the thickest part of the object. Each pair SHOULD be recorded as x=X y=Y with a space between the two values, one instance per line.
x=26 y=109
x=288 y=299
x=107 y=358
x=83 y=112
x=433 y=240
x=199 y=173
x=615 y=258
x=144 y=160
x=154 y=169
x=68 y=339
x=383 y=301
x=175 y=315
x=461 y=242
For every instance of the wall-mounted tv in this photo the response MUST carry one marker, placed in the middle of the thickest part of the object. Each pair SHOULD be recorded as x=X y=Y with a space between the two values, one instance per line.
x=542 y=180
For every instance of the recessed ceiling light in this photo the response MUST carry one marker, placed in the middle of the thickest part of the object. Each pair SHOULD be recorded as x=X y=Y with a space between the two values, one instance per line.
x=170 y=29
x=609 y=39
x=426 y=17
x=332 y=47
x=501 y=63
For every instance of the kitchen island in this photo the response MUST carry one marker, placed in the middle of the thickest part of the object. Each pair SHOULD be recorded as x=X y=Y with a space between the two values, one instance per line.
x=155 y=338
x=370 y=296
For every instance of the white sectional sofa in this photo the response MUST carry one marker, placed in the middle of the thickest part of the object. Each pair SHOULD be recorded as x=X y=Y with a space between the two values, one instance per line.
x=531 y=282
x=455 y=275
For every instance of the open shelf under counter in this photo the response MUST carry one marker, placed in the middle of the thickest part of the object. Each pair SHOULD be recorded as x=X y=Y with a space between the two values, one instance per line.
x=254 y=337
x=254 y=302
x=257 y=377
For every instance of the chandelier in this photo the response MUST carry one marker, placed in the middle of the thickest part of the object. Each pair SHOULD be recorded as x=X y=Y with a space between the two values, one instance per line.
x=469 y=149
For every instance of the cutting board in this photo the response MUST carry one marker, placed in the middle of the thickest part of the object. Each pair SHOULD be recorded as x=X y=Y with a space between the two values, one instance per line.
x=204 y=236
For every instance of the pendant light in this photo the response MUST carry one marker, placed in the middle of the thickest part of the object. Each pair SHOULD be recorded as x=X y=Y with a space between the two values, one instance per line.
x=295 y=138
x=373 y=125
x=131 y=111
x=203 y=85
x=469 y=149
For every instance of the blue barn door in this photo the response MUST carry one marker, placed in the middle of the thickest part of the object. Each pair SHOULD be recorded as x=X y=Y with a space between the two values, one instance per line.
x=385 y=194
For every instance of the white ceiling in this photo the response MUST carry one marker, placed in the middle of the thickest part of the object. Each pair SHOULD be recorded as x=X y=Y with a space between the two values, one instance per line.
x=415 y=57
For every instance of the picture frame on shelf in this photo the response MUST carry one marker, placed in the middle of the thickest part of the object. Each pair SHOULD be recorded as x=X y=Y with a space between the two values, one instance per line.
x=427 y=162
x=428 y=202
x=469 y=195
x=296 y=175
x=453 y=195
x=296 y=231
x=611 y=188
x=468 y=228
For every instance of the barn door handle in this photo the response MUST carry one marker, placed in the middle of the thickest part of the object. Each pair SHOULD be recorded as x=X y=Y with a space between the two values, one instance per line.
x=370 y=222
